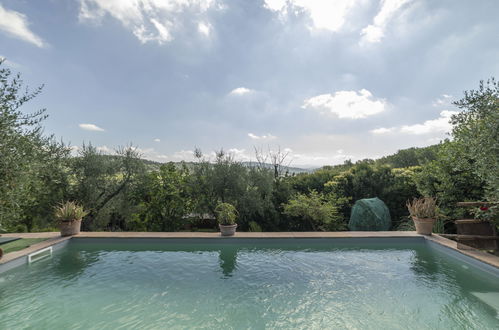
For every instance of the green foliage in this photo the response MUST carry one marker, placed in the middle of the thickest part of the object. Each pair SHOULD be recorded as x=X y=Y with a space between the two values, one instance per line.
x=450 y=178
x=102 y=183
x=32 y=177
x=254 y=227
x=226 y=214
x=250 y=190
x=69 y=211
x=410 y=157
x=313 y=212
x=476 y=131
x=163 y=200
x=368 y=180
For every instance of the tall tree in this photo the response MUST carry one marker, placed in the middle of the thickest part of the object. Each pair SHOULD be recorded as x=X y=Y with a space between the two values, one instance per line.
x=29 y=160
x=476 y=129
x=99 y=180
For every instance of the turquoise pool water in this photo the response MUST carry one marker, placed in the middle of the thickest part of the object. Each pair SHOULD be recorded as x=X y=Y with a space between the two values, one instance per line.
x=228 y=284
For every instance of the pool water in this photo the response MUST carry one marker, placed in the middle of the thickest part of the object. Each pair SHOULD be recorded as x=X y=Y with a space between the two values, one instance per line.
x=236 y=284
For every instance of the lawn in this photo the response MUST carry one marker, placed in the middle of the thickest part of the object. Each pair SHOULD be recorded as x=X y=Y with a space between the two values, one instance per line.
x=20 y=244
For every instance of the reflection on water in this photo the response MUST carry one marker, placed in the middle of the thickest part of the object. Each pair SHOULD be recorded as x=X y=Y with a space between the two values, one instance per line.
x=228 y=260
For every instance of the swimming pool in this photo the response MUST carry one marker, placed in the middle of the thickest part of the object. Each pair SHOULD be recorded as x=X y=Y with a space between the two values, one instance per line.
x=247 y=283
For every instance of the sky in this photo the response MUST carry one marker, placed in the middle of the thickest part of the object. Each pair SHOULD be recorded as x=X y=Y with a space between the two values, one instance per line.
x=324 y=81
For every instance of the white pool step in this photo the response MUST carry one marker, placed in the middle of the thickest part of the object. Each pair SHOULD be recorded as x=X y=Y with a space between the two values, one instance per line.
x=37 y=253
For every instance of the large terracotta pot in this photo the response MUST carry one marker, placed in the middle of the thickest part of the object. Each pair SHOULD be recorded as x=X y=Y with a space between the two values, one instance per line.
x=424 y=226
x=69 y=228
x=227 y=230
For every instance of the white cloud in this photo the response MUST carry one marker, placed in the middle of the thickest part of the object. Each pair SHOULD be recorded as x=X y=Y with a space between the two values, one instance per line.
x=241 y=91
x=262 y=137
x=325 y=14
x=187 y=155
x=91 y=127
x=15 y=24
x=432 y=126
x=440 y=124
x=150 y=20
x=105 y=149
x=275 y=5
x=444 y=100
x=204 y=28
x=157 y=140
x=239 y=154
x=375 y=32
x=382 y=130
x=347 y=104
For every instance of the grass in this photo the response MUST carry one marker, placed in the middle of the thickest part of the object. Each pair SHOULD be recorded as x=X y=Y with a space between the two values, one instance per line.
x=20 y=244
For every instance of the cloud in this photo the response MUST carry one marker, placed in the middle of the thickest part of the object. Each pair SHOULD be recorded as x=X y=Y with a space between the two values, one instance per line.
x=439 y=125
x=382 y=130
x=187 y=155
x=325 y=14
x=204 y=28
x=105 y=149
x=150 y=20
x=157 y=140
x=239 y=154
x=375 y=32
x=91 y=127
x=444 y=100
x=15 y=24
x=347 y=104
x=262 y=137
x=241 y=91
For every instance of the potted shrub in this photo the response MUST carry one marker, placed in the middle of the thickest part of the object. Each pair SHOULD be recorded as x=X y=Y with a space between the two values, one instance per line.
x=226 y=217
x=69 y=216
x=424 y=212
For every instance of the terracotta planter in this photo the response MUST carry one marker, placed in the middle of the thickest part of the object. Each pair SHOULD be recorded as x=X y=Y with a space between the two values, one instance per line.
x=424 y=226
x=227 y=230
x=69 y=228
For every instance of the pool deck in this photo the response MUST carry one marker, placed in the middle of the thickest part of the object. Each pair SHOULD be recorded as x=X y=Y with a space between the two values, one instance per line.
x=55 y=238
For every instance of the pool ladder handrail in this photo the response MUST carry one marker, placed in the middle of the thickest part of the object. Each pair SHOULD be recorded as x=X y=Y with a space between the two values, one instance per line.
x=30 y=256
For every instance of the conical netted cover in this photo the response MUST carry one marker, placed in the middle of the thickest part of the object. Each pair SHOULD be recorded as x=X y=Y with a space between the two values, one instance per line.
x=370 y=214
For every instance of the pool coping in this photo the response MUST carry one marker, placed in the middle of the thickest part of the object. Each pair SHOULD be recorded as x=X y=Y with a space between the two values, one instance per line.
x=54 y=238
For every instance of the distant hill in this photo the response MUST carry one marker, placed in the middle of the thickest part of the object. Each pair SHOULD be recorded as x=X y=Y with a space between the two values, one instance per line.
x=289 y=169
x=153 y=165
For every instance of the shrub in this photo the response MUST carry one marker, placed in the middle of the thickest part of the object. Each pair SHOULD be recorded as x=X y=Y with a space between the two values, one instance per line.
x=226 y=214
x=69 y=211
x=424 y=207
x=314 y=212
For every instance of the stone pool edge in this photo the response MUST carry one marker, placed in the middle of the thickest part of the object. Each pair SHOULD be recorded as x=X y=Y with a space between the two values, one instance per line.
x=54 y=239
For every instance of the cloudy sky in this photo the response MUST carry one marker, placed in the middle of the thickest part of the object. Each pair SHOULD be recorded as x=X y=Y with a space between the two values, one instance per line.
x=325 y=80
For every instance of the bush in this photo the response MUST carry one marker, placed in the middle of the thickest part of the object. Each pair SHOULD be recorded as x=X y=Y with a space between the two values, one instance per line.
x=314 y=212
x=69 y=211
x=226 y=214
x=424 y=207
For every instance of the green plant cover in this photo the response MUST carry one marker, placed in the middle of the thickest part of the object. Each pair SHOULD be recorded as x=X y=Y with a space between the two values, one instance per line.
x=370 y=214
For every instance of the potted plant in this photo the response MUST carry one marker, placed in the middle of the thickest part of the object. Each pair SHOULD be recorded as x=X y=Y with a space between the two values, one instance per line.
x=226 y=217
x=69 y=216
x=424 y=212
